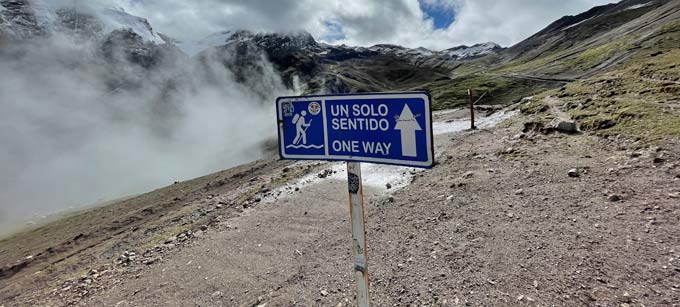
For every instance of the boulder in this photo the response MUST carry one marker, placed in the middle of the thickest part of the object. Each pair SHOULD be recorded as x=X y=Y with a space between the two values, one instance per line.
x=567 y=126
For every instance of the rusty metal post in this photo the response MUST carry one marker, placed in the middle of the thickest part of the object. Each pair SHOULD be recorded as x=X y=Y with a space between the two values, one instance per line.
x=472 y=110
x=356 y=211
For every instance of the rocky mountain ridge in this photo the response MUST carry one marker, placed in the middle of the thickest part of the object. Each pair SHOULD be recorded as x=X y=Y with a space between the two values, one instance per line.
x=304 y=64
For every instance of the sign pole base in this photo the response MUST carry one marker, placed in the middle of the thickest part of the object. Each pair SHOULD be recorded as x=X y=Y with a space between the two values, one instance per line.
x=356 y=210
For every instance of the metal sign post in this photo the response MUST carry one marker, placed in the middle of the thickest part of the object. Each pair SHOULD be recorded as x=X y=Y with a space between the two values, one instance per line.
x=359 y=250
x=472 y=111
x=388 y=128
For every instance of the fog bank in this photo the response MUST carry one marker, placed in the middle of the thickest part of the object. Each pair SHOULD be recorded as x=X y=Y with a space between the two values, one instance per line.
x=76 y=128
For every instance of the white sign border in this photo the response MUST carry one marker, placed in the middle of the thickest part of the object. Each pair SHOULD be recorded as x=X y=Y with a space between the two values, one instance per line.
x=390 y=95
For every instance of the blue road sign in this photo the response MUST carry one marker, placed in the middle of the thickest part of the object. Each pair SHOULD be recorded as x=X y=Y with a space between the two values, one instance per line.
x=388 y=128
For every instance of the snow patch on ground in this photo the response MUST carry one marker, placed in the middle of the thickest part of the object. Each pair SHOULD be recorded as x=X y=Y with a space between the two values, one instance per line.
x=459 y=125
x=637 y=6
x=378 y=176
x=578 y=23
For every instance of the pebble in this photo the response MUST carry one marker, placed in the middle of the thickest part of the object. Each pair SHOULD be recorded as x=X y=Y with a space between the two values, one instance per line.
x=170 y=240
x=573 y=173
x=216 y=294
x=468 y=175
x=614 y=198
x=388 y=186
x=324 y=293
x=519 y=192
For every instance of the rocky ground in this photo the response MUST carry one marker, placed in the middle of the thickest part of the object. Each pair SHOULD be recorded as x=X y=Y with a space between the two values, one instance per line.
x=509 y=216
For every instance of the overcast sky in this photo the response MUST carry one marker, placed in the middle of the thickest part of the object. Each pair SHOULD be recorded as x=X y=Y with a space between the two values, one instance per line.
x=435 y=24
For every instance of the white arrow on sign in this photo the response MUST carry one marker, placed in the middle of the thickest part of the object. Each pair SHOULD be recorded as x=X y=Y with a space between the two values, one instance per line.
x=408 y=125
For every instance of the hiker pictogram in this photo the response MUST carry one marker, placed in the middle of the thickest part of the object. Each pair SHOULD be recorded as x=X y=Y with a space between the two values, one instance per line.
x=301 y=126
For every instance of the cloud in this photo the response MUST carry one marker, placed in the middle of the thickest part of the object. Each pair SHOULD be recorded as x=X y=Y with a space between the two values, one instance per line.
x=360 y=22
x=69 y=140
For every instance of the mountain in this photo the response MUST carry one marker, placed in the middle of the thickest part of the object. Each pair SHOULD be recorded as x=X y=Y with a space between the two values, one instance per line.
x=587 y=43
x=465 y=52
x=319 y=67
x=304 y=64
x=571 y=48
x=23 y=19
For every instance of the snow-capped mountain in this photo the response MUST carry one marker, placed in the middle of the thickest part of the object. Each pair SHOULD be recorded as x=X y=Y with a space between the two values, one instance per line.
x=18 y=20
x=297 y=57
x=23 y=19
x=304 y=42
x=455 y=53
x=463 y=52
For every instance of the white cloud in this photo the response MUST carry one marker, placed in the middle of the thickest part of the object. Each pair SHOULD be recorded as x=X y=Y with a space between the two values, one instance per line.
x=360 y=22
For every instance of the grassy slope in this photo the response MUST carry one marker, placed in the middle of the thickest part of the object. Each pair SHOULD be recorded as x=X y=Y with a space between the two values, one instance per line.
x=639 y=99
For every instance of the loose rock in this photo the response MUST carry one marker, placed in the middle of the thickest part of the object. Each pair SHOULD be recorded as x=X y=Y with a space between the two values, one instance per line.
x=573 y=173
x=567 y=126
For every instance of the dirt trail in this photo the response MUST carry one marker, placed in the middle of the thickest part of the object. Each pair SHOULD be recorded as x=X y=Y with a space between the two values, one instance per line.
x=270 y=251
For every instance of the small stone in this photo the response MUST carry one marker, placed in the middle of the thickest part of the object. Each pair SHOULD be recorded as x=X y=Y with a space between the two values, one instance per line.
x=519 y=192
x=573 y=173
x=388 y=186
x=324 y=293
x=203 y=227
x=511 y=215
x=468 y=175
x=170 y=240
x=216 y=294
x=674 y=195
x=614 y=198
x=521 y=297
